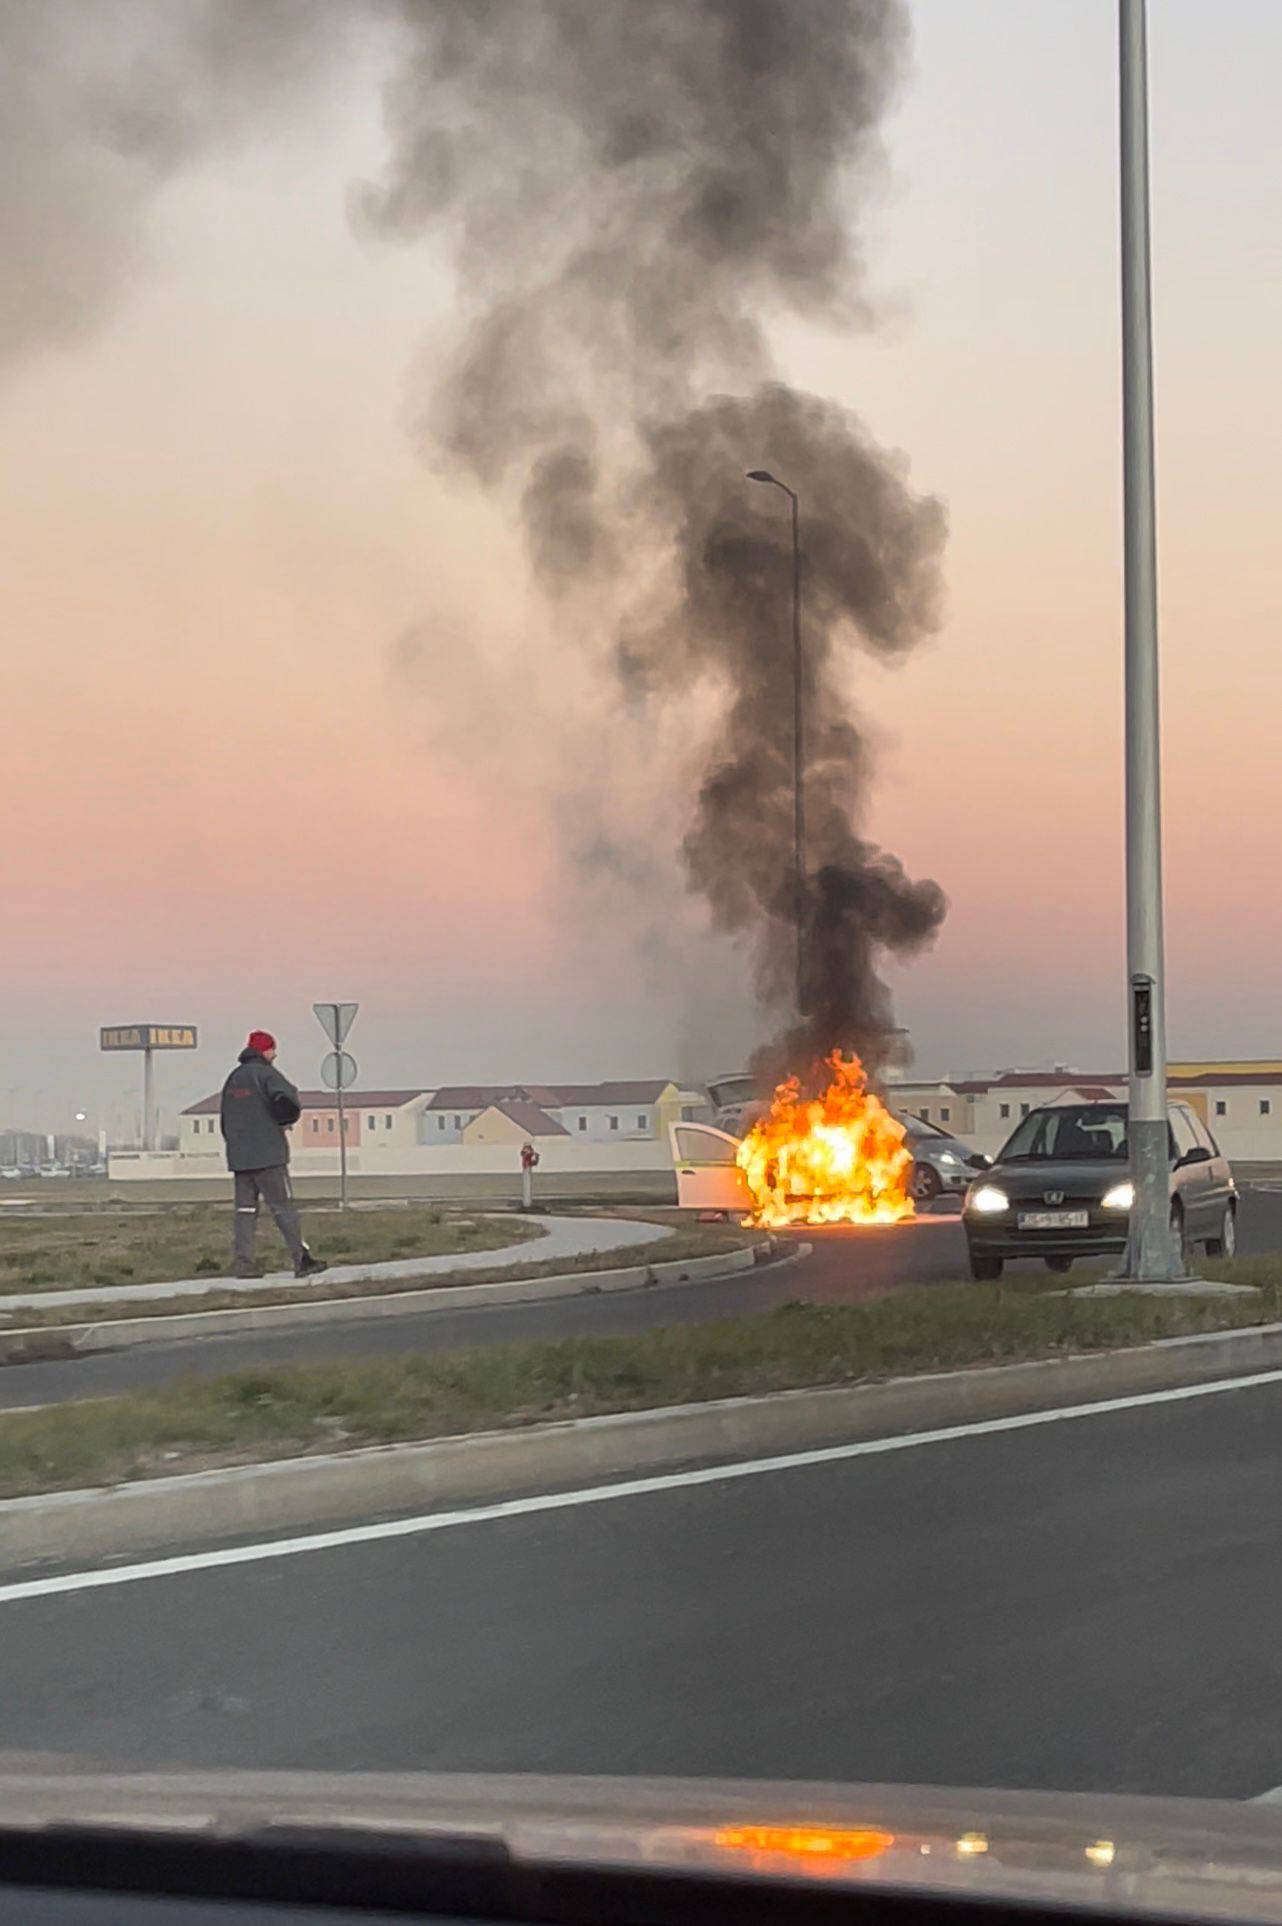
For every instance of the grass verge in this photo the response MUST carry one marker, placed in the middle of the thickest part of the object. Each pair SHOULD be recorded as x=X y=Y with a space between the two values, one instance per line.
x=257 y=1414
x=667 y=1250
x=76 y=1250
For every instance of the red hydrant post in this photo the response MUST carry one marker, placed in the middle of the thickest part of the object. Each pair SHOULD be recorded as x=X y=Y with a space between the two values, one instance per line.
x=529 y=1163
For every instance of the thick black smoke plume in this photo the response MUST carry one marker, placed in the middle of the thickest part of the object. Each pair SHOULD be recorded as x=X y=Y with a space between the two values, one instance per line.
x=635 y=188
x=634 y=185
x=869 y=572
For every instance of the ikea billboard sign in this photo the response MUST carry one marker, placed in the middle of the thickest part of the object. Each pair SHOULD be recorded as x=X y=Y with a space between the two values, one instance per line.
x=149 y=1036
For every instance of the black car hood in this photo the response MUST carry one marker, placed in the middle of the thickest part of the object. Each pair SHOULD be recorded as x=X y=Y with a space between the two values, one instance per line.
x=1170 y=1857
x=1074 y=1176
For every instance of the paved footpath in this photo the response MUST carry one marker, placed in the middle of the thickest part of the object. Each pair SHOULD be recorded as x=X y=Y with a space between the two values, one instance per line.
x=563 y=1237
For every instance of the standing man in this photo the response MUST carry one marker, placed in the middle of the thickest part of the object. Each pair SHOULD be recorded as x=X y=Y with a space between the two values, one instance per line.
x=258 y=1105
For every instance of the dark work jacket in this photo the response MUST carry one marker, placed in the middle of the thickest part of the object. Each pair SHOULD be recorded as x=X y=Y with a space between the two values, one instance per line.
x=257 y=1103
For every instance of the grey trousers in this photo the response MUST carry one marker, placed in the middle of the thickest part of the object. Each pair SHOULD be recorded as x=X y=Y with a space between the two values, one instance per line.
x=273 y=1186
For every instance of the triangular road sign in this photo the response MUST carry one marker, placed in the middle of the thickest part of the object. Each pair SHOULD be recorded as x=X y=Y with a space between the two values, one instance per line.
x=336 y=1020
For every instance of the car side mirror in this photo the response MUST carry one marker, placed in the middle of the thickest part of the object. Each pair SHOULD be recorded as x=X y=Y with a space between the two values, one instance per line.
x=1198 y=1155
x=979 y=1161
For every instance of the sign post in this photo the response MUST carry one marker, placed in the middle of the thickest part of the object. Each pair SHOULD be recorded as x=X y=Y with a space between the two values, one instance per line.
x=148 y=1037
x=342 y=1140
x=338 y=1073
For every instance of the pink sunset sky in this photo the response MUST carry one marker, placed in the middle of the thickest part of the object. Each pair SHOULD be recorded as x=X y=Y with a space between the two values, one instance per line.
x=233 y=785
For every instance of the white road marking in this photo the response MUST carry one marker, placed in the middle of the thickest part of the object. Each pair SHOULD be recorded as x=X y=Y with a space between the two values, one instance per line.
x=423 y=1523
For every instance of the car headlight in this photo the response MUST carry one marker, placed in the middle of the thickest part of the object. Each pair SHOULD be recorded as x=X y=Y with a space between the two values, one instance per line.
x=988 y=1200
x=949 y=1157
x=1120 y=1197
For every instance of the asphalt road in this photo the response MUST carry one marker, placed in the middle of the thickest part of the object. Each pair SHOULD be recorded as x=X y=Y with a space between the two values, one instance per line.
x=844 y=1265
x=1082 y=1605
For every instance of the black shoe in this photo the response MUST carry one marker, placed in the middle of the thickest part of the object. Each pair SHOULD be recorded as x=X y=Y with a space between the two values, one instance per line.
x=247 y=1270
x=309 y=1266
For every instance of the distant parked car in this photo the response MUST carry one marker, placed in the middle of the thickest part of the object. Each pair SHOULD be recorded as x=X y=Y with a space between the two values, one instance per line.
x=11 y=1171
x=1059 y=1189
x=942 y=1164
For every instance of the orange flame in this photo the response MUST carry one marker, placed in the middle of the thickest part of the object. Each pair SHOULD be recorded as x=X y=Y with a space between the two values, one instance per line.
x=839 y=1159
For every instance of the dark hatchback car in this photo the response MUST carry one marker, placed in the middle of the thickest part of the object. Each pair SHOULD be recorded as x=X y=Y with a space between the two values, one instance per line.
x=1060 y=1189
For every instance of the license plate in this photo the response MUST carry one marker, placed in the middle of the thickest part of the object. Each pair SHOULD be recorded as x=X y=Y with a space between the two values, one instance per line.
x=1054 y=1219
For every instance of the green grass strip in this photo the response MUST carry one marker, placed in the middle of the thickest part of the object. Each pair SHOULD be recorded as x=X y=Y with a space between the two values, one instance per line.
x=260 y=1413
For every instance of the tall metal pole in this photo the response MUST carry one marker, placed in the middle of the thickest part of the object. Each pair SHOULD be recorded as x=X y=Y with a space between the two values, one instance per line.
x=798 y=736
x=1152 y=1251
x=798 y=758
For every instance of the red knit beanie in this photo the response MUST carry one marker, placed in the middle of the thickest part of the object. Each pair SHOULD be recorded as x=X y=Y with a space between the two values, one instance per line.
x=262 y=1041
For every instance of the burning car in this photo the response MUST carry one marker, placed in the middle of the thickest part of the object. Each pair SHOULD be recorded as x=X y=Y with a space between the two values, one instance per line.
x=840 y=1157
x=854 y=1131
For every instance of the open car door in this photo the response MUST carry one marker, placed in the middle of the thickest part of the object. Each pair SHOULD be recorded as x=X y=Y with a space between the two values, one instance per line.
x=708 y=1178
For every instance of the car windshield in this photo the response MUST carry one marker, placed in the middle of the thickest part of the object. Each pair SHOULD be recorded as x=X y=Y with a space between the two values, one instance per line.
x=562 y=778
x=1076 y=1133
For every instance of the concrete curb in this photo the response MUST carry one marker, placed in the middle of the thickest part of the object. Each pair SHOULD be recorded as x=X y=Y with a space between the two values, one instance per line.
x=298 y=1493
x=48 y=1343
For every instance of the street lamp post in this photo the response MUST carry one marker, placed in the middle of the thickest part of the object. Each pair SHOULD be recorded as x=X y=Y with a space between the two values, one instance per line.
x=798 y=743
x=1152 y=1250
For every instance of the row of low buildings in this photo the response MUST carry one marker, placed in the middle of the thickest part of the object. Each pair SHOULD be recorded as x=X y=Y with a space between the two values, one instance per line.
x=617 y=1125
x=475 y=1113
x=622 y=1125
x=1241 y=1101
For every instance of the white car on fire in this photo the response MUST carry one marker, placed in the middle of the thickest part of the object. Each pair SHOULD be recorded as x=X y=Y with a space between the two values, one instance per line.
x=708 y=1177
